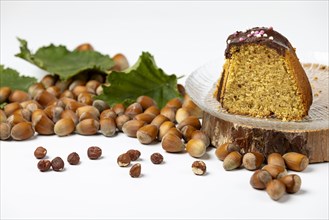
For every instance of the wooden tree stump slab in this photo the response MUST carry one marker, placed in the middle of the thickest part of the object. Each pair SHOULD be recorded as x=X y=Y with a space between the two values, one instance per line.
x=314 y=144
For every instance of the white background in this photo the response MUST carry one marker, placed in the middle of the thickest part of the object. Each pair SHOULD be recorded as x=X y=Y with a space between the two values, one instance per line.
x=182 y=36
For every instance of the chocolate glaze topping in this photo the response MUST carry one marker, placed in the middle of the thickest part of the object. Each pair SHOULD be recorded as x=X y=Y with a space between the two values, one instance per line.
x=258 y=35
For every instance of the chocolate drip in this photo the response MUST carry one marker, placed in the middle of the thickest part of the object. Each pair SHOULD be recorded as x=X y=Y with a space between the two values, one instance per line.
x=258 y=35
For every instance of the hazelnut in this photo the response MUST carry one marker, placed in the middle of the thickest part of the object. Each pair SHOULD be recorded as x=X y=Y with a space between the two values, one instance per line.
x=44 y=165
x=199 y=168
x=48 y=80
x=197 y=134
x=192 y=121
x=87 y=127
x=70 y=115
x=182 y=114
x=175 y=131
x=164 y=128
x=133 y=110
x=147 y=134
x=18 y=96
x=92 y=85
x=292 y=182
x=108 y=113
x=54 y=90
x=57 y=164
x=223 y=150
x=135 y=170
x=147 y=118
x=88 y=109
x=42 y=123
x=296 y=161
x=130 y=128
x=159 y=120
x=120 y=61
x=108 y=127
x=191 y=106
x=100 y=105
x=84 y=47
x=94 y=152
x=152 y=110
x=252 y=160
x=40 y=152
x=119 y=109
x=86 y=98
x=156 y=158
x=187 y=132
x=123 y=160
x=275 y=159
x=169 y=112
x=260 y=179
x=73 y=158
x=22 y=131
x=232 y=161
x=4 y=131
x=4 y=93
x=11 y=107
x=133 y=154
x=196 y=147
x=121 y=120
x=64 y=127
x=45 y=98
x=174 y=103
x=3 y=117
x=145 y=101
x=171 y=143
x=181 y=89
x=275 y=189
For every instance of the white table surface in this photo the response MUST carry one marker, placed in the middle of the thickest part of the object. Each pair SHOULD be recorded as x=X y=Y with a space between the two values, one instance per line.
x=181 y=36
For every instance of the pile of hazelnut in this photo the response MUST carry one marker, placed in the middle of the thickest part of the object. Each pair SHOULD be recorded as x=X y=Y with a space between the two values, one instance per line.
x=273 y=176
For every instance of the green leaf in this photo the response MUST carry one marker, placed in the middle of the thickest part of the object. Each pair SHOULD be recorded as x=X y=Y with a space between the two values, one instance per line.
x=60 y=61
x=143 y=78
x=2 y=105
x=12 y=79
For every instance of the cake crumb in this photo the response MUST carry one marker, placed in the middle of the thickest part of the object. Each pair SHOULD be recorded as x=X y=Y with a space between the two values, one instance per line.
x=315 y=78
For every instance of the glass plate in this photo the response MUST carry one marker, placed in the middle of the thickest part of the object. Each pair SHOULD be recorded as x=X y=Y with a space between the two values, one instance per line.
x=201 y=85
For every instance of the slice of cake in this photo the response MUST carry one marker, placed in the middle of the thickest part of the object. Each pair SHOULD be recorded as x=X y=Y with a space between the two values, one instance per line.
x=262 y=77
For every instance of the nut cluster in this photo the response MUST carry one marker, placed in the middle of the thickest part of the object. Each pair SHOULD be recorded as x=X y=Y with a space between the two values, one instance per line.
x=273 y=176
x=52 y=106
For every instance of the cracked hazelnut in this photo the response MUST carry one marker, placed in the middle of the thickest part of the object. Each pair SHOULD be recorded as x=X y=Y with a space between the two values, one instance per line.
x=123 y=160
x=199 y=167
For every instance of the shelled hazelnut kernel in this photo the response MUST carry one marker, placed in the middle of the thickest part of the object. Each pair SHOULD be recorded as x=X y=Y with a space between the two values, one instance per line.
x=57 y=164
x=73 y=158
x=44 y=165
x=134 y=154
x=40 y=152
x=124 y=160
x=199 y=168
x=94 y=152
x=156 y=158
x=135 y=170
